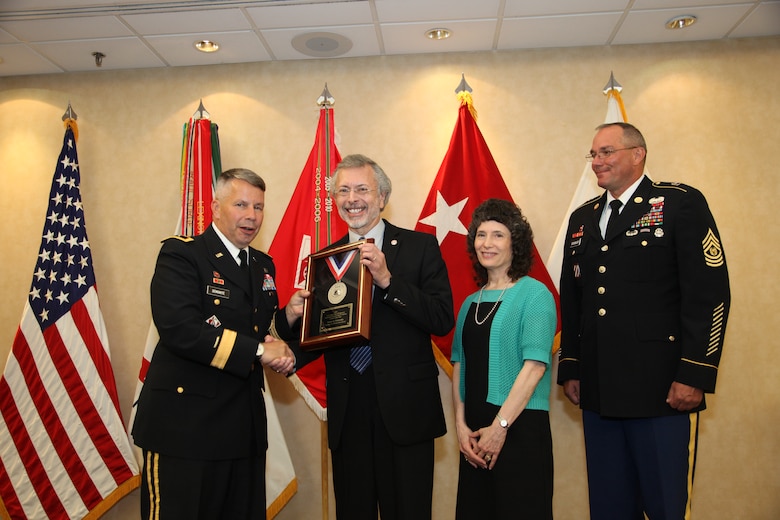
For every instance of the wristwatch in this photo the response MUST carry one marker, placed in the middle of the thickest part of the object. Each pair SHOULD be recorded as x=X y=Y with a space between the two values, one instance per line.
x=260 y=350
x=502 y=422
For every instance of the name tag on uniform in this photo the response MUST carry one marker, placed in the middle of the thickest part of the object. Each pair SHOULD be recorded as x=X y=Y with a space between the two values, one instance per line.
x=219 y=292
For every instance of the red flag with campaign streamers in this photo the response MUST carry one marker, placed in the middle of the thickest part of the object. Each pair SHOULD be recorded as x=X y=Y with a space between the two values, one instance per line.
x=201 y=165
x=310 y=223
x=64 y=452
x=468 y=176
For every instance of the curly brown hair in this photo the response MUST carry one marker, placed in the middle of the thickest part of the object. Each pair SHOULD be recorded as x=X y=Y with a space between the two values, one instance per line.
x=508 y=214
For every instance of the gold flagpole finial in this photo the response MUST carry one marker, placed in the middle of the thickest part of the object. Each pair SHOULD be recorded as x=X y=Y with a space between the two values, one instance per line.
x=69 y=119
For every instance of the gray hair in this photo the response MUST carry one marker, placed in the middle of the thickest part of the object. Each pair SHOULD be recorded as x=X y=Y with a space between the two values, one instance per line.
x=239 y=174
x=358 y=161
x=631 y=134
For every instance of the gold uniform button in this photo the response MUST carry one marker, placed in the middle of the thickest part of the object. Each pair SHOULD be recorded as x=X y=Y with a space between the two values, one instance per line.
x=602 y=269
x=180 y=390
x=216 y=301
x=644 y=243
x=672 y=338
x=605 y=248
x=601 y=290
x=602 y=312
x=256 y=328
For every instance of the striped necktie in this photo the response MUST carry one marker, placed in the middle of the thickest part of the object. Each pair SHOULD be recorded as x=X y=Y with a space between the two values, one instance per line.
x=360 y=356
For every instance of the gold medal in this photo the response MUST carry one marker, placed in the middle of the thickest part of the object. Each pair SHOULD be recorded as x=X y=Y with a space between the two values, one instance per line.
x=338 y=267
x=337 y=293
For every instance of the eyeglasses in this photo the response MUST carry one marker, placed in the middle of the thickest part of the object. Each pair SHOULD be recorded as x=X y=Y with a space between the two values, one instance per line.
x=603 y=154
x=360 y=191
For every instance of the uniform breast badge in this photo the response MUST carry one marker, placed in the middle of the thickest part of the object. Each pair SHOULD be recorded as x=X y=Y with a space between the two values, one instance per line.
x=654 y=217
x=268 y=283
x=214 y=321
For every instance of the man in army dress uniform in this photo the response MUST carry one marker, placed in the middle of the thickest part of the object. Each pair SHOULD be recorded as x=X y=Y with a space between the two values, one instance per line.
x=644 y=302
x=201 y=415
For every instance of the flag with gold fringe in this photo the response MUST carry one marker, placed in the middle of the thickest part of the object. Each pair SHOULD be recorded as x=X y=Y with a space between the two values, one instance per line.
x=468 y=175
x=587 y=187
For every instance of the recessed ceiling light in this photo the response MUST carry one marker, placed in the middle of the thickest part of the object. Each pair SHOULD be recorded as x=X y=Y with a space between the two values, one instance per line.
x=681 y=22
x=207 y=46
x=438 y=34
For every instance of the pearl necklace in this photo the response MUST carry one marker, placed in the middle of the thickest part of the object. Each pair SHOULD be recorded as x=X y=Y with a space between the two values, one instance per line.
x=479 y=300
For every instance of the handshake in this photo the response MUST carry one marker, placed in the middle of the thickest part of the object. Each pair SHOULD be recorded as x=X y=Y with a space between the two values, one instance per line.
x=276 y=354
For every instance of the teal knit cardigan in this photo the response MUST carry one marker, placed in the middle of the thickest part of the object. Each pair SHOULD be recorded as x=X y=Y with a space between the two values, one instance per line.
x=523 y=328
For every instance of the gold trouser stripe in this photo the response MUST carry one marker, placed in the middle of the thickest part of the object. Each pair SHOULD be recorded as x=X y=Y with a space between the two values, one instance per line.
x=224 y=349
x=693 y=437
x=153 y=484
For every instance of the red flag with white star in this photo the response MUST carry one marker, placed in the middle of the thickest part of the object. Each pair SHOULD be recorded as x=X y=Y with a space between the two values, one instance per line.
x=467 y=177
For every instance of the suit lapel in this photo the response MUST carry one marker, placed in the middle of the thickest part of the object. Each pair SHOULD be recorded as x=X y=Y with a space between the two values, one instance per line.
x=390 y=244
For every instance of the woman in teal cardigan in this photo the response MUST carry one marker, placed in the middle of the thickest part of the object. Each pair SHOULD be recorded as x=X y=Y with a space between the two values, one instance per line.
x=501 y=357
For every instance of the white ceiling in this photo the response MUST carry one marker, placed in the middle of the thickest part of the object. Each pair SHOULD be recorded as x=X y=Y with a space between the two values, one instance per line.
x=55 y=36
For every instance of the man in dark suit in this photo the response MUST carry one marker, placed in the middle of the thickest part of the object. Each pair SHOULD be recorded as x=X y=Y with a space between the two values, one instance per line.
x=201 y=415
x=384 y=407
x=644 y=302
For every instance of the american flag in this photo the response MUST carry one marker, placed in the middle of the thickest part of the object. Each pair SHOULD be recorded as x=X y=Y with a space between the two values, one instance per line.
x=64 y=451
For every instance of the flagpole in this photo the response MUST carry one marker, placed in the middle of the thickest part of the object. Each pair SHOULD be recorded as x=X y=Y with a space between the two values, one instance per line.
x=309 y=224
x=325 y=101
x=324 y=469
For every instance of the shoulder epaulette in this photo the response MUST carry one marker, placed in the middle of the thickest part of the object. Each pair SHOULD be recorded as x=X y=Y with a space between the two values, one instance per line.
x=671 y=185
x=264 y=254
x=181 y=238
x=588 y=202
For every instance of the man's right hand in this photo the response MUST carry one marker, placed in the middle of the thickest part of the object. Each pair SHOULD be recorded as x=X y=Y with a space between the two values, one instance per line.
x=571 y=389
x=277 y=355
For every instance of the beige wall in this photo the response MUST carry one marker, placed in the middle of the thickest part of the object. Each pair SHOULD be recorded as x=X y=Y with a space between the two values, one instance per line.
x=710 y=113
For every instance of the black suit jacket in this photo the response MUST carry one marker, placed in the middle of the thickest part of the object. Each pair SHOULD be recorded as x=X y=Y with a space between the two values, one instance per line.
x=645 y=306
x=417 y=303
x=202 y=397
